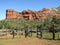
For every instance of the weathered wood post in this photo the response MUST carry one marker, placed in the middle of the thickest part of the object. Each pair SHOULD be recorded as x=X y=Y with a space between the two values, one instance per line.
x=38 y=32
x=26 y=32
x=13 y=34
x=31 y=32
x=41 y=33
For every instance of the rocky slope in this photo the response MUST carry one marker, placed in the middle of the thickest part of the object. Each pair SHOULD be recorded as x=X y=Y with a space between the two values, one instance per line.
x=31 y=14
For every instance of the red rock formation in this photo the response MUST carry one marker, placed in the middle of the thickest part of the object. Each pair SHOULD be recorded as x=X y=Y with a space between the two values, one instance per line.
x=12 y=14
x=30 y=14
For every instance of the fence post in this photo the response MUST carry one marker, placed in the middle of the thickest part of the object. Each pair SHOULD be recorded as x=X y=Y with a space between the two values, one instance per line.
x=13 y=34
x=41 y=33
x=26 y=32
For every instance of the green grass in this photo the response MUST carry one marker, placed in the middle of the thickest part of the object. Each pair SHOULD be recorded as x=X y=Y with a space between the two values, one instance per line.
x=48 y=35
x=9 y=40
x=19 y=41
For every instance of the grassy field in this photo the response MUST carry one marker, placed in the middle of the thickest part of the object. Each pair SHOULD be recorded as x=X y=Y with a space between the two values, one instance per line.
x=48 y=35
x=28 y=41
x=21 y=40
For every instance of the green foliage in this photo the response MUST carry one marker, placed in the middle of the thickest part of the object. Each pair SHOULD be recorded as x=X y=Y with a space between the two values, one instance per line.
x=56 y=22
x=22 y=23
x=1 y=25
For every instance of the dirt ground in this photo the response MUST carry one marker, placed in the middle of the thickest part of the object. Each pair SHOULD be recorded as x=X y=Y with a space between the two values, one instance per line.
x=7 y=40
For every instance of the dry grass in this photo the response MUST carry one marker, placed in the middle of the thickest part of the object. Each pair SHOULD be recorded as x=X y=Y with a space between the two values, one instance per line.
x=7 y=40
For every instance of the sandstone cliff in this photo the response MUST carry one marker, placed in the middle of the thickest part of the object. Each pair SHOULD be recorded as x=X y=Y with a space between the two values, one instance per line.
x=31 y=14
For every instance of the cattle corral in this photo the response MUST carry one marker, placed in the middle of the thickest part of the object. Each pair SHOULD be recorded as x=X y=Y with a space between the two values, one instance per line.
x=8 y=33
x=6 y=38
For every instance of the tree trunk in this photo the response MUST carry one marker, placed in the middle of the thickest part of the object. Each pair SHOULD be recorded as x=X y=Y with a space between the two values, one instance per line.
x=53 y=33
x=31 y=32
x=41 y=33
x=26 y=32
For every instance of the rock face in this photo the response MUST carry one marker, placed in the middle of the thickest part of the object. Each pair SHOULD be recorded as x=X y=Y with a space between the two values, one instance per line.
x=30 y=14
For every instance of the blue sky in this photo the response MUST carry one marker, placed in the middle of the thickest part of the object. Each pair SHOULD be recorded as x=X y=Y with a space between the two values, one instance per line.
x=20 y=5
